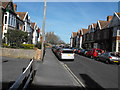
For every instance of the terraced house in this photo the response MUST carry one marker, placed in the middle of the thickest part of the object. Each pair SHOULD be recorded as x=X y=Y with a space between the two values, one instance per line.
x=103 y=34
x=10 y=20
x=13 y=20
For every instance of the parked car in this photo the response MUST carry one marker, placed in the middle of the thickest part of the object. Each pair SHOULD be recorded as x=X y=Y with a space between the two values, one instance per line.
x=66 y=54
x=75 y=50
x=53 y=47
x=81 y=51
x=86 y=50
x=93 y=53
x=110 y=57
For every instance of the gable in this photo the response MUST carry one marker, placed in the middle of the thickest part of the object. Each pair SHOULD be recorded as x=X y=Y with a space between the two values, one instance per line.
x=115 y=21
x=10 y=7
x=97 y=26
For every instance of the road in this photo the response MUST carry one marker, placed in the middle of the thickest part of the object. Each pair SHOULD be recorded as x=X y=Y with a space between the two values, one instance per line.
x=94 y=74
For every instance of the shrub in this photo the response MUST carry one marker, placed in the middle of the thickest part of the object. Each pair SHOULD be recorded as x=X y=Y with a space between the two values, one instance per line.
x=5 y=45
x=27 y=46
x=38 y=45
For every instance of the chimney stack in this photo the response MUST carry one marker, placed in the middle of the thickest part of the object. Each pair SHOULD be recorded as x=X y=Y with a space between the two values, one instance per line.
x=15 y=7
x=109 y=18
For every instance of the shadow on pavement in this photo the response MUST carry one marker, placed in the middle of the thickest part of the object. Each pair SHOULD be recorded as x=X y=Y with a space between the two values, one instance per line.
x=7 y=85
x=44 y=87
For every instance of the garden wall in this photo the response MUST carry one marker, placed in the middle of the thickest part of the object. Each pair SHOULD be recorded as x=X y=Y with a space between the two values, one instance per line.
x=21 y=53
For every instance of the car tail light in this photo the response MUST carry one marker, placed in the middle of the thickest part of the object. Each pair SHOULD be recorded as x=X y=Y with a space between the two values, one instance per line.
x=110 y=57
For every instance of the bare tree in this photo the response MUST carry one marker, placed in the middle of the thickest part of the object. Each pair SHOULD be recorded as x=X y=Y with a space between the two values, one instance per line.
x=53 y=39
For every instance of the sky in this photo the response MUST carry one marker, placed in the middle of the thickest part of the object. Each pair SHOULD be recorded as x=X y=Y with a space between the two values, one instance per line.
x=63 y=18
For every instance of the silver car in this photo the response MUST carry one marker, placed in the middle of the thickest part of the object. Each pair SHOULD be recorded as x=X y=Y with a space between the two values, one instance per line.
x=110 y=57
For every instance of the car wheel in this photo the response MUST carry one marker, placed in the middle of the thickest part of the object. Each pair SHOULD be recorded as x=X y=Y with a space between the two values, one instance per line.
x=107 y=61
x=97 y=59
x=91 y=57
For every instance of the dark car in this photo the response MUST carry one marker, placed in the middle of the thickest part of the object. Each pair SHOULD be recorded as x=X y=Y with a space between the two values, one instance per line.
x=81 y=51
x=110 y=57
x=75 y=50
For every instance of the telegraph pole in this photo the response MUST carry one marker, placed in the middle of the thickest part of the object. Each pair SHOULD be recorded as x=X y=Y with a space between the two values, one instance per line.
x=43 y=32
x=0 y=23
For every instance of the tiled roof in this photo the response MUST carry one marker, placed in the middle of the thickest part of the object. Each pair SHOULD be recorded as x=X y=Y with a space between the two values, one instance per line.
x=89 y=26
x=109 y=18
x=4 y=4
x=32 y=24
x=103 y=24
x=85 y=30
x=94 y=25
x=74 y=34
x=118 y=14
x=21 y=14
x=79 y=31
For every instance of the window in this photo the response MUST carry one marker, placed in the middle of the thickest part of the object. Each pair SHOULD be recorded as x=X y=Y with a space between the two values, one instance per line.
x=24 y=28
x=114 y=46
x=114 y=33
x=119 y=46
x=9 y=20
x=5 y=20
x=118 y=32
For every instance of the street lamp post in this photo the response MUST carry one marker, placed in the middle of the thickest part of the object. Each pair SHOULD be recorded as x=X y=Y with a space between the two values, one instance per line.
x=43 y=31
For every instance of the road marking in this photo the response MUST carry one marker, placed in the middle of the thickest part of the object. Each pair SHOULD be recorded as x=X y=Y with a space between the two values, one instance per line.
x=73 y=75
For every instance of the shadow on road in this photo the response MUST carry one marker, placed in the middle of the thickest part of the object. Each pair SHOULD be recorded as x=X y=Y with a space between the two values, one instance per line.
x=93 y=85
x=90 y=83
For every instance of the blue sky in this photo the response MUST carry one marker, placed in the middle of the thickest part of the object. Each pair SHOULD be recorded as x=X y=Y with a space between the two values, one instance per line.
x=63 y=18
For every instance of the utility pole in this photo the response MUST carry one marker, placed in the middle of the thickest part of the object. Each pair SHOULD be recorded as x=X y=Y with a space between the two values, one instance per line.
x=43 y=32
x=0 y=43
x=0 y=23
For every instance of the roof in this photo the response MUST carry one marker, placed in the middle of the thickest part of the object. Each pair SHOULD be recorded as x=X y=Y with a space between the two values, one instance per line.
x=118 y=14
x=74 y=34
x=21 y=14
x=103 y=24
x=79 y=31
x=32 y=24
x=4 y=4
x=85 y=30
x=94 y=25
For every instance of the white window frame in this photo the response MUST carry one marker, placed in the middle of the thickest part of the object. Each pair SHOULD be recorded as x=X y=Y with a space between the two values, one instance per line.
x=118 y=31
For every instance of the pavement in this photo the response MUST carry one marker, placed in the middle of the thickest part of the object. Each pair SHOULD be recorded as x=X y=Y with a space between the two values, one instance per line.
x=51 y=74
x=11 y=70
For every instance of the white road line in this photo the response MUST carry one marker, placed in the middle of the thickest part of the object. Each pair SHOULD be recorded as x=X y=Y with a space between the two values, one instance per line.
x=73 y=75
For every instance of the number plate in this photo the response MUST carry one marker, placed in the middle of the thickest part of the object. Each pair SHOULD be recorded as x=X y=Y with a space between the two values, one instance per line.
x=69 y=55
x=115 y=61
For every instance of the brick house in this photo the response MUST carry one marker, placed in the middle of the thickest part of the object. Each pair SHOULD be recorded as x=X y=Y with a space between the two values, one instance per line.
x=73 y=39
x=102 y=34
x=35 y=33
x=115 y=28
x=79 y=39
x=9 y=18
x=85 y=37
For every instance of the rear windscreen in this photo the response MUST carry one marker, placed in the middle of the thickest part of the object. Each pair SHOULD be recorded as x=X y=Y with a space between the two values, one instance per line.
x=67 y=51
x=115 y=54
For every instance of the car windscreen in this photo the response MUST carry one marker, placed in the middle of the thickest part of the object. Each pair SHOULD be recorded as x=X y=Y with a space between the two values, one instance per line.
x=67 y=51
x=115 y=54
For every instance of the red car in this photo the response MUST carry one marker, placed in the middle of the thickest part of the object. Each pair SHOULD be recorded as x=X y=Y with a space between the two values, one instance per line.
x=94 y=52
